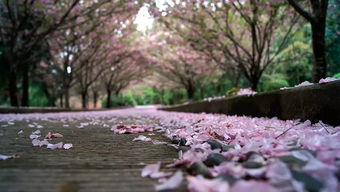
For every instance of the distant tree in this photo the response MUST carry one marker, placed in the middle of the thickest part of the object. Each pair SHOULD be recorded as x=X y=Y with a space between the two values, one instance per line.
x=179 y=63
x=235 y=34
x=64 y=56
x=126 y=66
x=317 y=18
x=91 y=65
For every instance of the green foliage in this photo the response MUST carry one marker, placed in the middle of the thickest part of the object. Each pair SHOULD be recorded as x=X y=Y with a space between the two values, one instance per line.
x=37 y=96
x=122 y=100
x=273 y=81
x=296 y=60
x=294 y=63
x=333 y=37
x=337 y=75
x=232 y=91
x=213 y=87
x=275 y=84
x=149 y=96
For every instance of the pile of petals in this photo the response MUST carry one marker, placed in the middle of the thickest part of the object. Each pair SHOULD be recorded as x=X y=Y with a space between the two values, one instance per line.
x=246 y=91
x=307 y=83
x=328 y=79
x=123 y=129
x=230 y=153
x=45 y=142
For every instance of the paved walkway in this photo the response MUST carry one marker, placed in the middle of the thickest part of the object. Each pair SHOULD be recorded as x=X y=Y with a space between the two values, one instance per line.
x=98 y=161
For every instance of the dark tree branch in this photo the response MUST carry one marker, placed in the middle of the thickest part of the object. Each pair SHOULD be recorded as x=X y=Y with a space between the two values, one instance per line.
x=308 y=16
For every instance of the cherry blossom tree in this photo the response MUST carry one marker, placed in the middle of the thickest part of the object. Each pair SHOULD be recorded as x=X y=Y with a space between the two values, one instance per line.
x=107 y=50
x=123 y=72
x=317 y=18
x=91 y=66
x=179 y=63
x=126 y=65
x=27 y=24
x=64 y=57
x=244 y=35
x=68 y=45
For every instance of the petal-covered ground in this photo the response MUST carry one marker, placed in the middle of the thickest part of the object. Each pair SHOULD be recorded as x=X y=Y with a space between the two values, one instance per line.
x=215 y=152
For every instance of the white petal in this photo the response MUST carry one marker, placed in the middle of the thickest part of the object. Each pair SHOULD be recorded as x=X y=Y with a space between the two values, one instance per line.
x=55 y=146
x=43 y=143
x=5 y=157
x=35 y=142
x=141 y=138
x=68 y=145
x=37 y=132
x=34 y=136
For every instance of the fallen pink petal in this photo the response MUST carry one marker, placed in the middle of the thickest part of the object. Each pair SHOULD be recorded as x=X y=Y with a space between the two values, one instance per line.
x=159 y=175
x=172 y=183
x=150 y=169
x=53 y=135
x=200 y=184
x=255 y=186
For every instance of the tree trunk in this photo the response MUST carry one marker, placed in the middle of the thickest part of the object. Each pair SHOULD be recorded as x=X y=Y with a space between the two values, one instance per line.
x=67 y=98
x=190 y=92
x=201 y=93
x=236 y=81
x=61 y=101
x=50 y=96
x=319 y=50
x=161 y=91
x=84 y=99
x=95 y=99
x=25 y=86
x=254 y=82
x=108 y=98
x=13 y=90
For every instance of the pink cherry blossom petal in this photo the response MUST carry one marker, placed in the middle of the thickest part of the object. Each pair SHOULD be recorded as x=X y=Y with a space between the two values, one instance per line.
x=53 y=135
x=150 y=169
x=253 y=186
x=200 y=184
x=172 y=183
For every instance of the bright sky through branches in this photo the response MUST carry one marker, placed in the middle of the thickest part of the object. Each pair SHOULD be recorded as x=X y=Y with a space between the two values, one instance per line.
x=143 y=19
